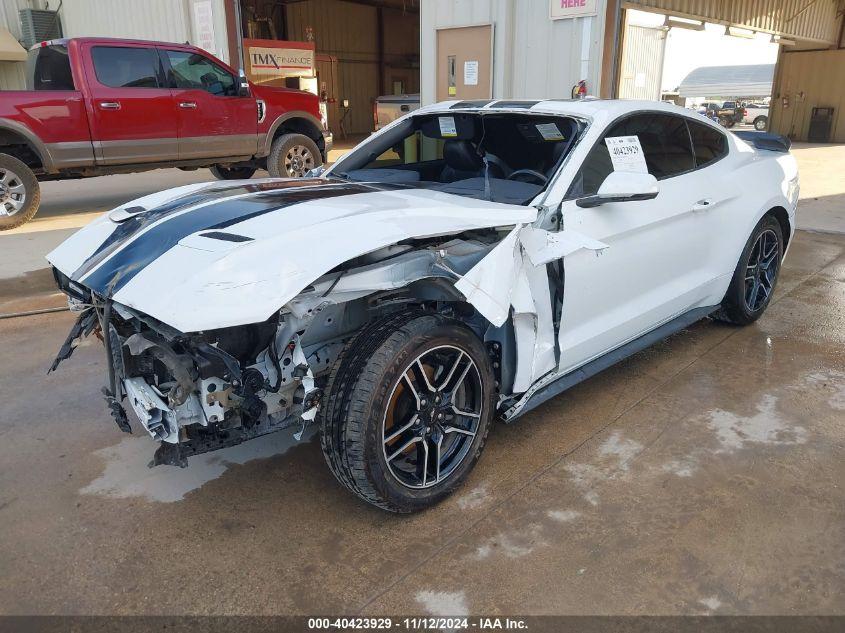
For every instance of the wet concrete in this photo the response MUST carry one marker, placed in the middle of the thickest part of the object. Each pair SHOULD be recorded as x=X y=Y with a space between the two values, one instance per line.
x=704 y=475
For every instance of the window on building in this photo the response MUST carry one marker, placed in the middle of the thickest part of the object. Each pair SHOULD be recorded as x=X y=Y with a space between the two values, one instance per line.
x=48 y=68
x=666 y=147
x=192 y=71
x=123 y=67
x=709 y=144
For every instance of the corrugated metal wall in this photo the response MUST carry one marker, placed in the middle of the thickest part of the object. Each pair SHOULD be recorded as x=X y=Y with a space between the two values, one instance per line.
x=804 y=19
x=12 y=75
x=349 y=32
x=642 y=62
x=163 y=20
x=808 y=79
x=533 y=55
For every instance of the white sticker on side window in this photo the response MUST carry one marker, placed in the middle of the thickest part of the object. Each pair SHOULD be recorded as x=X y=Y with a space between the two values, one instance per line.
x=447 y=126
x=549 y=132
x=626 y=154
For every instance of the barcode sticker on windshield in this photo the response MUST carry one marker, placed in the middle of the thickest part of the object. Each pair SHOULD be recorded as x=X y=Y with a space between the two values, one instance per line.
x=549 y=132
x=447 y=126
x=626 y=154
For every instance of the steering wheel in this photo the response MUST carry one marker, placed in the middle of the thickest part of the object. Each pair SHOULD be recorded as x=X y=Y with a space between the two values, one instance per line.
x=529 y=173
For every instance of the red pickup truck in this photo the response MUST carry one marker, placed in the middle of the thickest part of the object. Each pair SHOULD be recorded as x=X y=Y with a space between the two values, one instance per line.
x=99 y=106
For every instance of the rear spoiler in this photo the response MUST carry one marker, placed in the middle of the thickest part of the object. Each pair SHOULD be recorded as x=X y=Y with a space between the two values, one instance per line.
x=764 y=140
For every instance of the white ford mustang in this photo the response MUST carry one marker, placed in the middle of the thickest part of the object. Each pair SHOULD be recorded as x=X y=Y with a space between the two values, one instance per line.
x=467 y=262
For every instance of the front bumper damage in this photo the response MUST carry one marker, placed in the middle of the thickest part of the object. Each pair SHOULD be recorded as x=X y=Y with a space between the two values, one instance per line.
x=187 y=393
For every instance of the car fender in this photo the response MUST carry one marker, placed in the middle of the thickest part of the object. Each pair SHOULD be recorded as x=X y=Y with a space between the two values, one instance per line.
x=36 y=143
x=266 y=139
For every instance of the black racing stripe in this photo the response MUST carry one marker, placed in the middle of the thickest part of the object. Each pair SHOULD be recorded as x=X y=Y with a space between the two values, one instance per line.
x=141 y=251
x=129 y=228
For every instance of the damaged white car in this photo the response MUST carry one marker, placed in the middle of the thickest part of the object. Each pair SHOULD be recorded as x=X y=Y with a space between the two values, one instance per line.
x=464 y=264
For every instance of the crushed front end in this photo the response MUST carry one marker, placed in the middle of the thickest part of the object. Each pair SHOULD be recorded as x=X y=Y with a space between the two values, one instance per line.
x=197 y=392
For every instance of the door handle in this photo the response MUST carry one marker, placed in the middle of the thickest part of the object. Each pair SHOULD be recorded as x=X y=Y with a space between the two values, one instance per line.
x=110 y=105
x=703 y=205
x=188 y=105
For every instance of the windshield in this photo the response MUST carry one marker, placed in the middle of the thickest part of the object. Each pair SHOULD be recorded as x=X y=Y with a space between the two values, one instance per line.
x=503 y=157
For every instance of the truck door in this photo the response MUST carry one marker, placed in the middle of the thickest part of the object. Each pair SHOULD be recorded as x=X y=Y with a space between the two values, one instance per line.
x=214 y=121
x=133 y=118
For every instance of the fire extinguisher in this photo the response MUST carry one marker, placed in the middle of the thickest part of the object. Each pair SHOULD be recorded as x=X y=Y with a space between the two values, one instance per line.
x=579 y=90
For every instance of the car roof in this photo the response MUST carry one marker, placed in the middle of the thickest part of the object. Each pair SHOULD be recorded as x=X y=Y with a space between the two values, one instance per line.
x=585 y=108
x=108 y=40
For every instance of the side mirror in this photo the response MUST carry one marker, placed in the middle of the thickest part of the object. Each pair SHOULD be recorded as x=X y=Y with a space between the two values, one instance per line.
x=243 y=84
x=622 y=186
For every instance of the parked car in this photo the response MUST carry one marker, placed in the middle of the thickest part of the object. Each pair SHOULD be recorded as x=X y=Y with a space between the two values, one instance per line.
x=388 y=108
x=100 y=106
x=727 y=113
x=757 y=114
x=464 y=264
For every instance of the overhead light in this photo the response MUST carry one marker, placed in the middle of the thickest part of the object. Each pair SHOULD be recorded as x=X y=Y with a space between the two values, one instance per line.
x=777 y=39
x=735 y=32
x=681 y=23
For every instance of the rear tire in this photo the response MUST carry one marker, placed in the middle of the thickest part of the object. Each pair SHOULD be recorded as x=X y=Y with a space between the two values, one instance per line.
x=292 y=156
x=20 y=194
x=756 y=275
x=376 y=390
x=232 y=173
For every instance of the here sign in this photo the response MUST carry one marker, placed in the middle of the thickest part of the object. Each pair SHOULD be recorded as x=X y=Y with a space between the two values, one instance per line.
x=560 y=9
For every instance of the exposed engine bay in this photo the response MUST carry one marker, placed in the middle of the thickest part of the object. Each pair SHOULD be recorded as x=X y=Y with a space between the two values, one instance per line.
x=203 y=391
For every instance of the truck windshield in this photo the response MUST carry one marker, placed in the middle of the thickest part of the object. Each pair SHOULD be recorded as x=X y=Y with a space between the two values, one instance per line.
x=48 y=68
x=497 y=156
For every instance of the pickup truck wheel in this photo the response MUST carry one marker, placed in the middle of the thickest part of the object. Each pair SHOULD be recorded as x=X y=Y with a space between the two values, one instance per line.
x=20 y=194
x=232 y=173
x=407 y=410
x=292 y=156
x=756 y=275
x=760 y=123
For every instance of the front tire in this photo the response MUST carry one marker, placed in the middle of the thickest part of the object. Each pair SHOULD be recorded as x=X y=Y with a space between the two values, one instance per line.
x=222 y=172
x=293 y=156
x=756 y=275
x=20 y=194
x=760 y=123
x=407 y=410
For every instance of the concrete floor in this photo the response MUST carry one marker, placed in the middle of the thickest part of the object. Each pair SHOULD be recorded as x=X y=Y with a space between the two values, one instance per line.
x=705 y=475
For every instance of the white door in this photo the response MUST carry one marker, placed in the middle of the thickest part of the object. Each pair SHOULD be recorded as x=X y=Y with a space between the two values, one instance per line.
x=655 y=265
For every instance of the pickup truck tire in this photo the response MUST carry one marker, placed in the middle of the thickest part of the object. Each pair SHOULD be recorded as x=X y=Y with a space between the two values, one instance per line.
x=20 y=194
x=232 y=173
x=292 y=156
x=756 y=275
x=407 y=410
x=760 y=123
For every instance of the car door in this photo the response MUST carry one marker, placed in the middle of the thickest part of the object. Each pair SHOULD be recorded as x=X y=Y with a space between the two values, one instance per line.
x=653 y=267
x=131 y=111
x=213 y=120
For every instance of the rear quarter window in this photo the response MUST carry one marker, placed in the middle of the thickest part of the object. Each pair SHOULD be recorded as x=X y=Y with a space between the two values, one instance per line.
x=48 y=68
x=708 y=144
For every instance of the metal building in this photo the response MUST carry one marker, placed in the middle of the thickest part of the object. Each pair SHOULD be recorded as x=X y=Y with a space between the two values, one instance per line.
x=508 y=48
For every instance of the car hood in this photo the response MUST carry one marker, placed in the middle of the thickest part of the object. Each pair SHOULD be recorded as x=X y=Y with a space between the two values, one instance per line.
x=224 y=254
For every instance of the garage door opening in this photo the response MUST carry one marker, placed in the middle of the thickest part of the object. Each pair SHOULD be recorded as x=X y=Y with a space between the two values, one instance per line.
x=724 y=72
x=347 y=52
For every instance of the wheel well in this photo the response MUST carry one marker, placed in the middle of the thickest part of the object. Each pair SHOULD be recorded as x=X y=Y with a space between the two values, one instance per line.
x=14 y=144
x=782 y=217
x=302 y=126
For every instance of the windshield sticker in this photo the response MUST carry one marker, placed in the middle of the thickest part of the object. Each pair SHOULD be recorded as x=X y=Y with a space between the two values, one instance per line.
x=447 y=126
x=549 y=131
x=626 y=154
